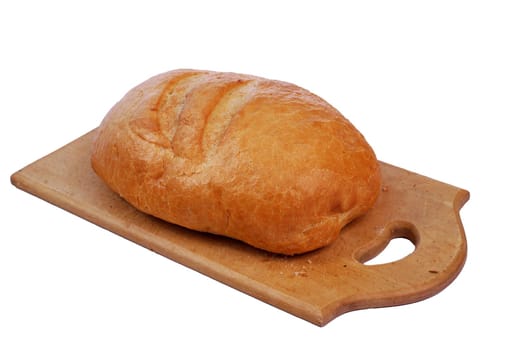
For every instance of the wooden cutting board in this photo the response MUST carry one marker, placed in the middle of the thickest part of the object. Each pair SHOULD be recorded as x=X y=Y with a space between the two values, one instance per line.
x=316 y=286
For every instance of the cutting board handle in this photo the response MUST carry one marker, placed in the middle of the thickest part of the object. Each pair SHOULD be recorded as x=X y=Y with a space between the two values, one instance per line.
x=439 y=255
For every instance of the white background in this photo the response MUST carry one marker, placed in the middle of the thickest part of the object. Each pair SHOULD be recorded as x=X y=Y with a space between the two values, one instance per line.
x=435 y=86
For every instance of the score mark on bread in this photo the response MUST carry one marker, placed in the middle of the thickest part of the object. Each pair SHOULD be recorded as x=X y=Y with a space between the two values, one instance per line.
x=262 y=161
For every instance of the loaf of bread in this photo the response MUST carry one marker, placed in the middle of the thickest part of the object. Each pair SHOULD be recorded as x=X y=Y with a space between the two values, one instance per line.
x=258 y=160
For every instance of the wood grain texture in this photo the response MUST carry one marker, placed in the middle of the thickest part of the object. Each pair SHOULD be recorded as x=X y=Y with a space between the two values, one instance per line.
x=316 y=286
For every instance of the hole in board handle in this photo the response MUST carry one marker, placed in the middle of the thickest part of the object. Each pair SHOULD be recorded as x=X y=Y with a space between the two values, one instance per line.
x=400 y=240
x=396 y=249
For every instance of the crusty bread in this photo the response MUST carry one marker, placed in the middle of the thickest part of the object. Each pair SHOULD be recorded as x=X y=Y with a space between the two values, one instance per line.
x=262 y=161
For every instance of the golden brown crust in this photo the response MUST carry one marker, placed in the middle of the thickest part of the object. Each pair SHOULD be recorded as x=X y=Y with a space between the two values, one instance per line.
x=262 y=161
